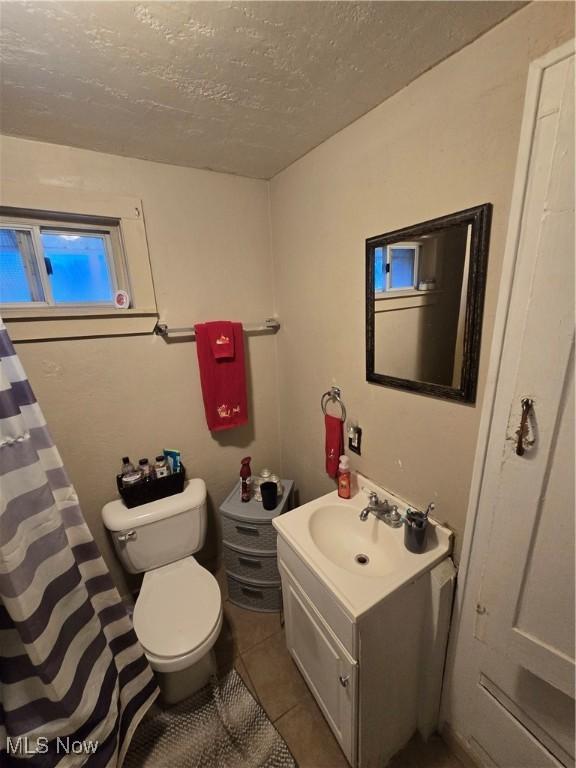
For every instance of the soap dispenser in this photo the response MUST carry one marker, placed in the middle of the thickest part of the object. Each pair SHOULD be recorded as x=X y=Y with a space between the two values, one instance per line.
x=344 y=477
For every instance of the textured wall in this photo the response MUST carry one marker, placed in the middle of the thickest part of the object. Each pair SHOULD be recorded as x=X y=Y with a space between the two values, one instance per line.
x=446 y=142
x=208 y=237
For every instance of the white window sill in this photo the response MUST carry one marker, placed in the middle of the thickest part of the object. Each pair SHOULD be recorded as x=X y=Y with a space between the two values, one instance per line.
x=403 y=294
x=48 y=323
x=405 y=300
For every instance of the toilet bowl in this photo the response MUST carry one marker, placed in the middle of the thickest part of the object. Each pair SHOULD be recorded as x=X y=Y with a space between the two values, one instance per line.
x=177 y=618
x=178 y=612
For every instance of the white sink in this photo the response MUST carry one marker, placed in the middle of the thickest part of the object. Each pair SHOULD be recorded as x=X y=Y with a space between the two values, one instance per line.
x=360 y=561
x=349 y=543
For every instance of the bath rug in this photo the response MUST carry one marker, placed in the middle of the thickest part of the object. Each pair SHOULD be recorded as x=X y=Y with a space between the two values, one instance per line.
x=221 y=726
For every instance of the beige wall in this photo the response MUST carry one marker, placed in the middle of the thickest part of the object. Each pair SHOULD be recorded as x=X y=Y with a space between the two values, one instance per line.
x=446 y=142
x=208 y=237
x=401 y=318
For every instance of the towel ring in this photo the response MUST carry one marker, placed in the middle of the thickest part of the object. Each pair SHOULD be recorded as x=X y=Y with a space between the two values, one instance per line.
x=333 y=394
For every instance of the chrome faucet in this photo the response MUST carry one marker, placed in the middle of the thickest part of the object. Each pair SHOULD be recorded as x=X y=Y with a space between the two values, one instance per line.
x=382 y=510
x=373 y=504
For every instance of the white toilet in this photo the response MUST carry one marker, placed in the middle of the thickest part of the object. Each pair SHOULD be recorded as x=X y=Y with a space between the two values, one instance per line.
x=178 y=613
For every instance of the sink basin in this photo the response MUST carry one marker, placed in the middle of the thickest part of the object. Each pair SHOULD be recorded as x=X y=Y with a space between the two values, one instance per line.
x=350 y=543
x=361 y=562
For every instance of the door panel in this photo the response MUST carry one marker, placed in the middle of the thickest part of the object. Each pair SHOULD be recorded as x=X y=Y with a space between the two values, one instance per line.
x=532 y=620
x=329 y=672
x=504 y=739
x=540 y=603
x=544 y=711
x=511 y=685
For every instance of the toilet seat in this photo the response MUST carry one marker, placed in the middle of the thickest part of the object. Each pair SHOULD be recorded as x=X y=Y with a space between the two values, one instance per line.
x=178 y=614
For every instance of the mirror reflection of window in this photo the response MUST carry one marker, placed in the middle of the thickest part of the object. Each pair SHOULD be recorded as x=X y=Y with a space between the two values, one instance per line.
x=403 y=264
x=380 y=264
x=396 y=267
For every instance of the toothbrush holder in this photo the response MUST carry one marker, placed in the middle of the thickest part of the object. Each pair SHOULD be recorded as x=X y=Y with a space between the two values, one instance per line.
x=415 y=530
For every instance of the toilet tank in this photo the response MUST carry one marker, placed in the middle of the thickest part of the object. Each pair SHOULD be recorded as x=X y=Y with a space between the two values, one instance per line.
x=159 y=532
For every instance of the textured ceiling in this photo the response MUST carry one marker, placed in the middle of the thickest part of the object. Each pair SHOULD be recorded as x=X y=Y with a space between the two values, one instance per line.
x=240 y=87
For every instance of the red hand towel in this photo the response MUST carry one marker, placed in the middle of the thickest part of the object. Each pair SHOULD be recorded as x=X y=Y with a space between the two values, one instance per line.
x=223 y=380
x=334 y=443
x=221 y=335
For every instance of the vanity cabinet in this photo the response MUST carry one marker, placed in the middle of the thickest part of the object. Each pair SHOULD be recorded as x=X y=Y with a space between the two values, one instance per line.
x=329 y=670
x=375 y=676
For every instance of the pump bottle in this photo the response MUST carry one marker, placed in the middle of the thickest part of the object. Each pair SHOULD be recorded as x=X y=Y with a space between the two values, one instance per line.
x=344 y=477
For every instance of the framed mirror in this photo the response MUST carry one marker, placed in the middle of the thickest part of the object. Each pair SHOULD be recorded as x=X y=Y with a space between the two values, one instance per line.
x=424 y=302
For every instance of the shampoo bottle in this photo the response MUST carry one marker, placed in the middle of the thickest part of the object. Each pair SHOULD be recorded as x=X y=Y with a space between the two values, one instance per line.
x=344 y=477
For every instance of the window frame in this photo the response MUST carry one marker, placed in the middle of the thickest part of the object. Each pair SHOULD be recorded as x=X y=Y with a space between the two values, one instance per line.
x=387 y=262
x=34 y=281
x=65 y=207
x=115 y=259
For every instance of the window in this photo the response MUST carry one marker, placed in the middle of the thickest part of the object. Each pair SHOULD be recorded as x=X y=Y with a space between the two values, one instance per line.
x=396 y=267
x=51 y=264
x=64 y=255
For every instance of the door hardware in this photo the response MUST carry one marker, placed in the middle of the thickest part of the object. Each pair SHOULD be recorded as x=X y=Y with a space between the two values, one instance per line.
x=527 y=404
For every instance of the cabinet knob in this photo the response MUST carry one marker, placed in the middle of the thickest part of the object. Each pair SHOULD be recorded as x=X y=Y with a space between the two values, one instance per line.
x=344 y=680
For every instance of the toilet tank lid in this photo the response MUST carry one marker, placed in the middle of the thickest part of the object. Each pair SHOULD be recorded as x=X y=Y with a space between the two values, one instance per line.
x=117 y=517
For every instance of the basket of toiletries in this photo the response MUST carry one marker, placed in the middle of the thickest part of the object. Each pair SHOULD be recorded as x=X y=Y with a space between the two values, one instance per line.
x=149 y=481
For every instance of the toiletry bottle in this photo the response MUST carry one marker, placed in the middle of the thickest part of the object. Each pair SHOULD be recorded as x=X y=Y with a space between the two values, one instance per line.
x=145 y=468
x=161 y=468
x=245 y=474
x=344 y=477
x=127 y=466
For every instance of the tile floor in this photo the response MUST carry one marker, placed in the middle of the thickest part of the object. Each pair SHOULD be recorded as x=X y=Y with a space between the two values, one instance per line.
x=254 y=644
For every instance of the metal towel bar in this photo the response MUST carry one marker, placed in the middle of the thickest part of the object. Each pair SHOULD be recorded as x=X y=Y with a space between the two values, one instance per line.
x=270 y=324
x=334 y=395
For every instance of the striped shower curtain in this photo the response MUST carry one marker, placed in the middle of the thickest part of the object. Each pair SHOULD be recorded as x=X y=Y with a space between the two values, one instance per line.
x=74 y=681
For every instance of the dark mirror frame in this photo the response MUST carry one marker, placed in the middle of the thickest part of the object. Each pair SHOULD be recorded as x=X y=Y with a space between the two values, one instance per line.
x=479 y=218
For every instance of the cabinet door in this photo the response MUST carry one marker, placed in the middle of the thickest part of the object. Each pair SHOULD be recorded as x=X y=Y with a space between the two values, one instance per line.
x=327 y=668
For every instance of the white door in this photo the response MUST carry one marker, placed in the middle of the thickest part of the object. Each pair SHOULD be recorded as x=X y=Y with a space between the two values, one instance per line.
x=331 y=674
x=510 y=692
